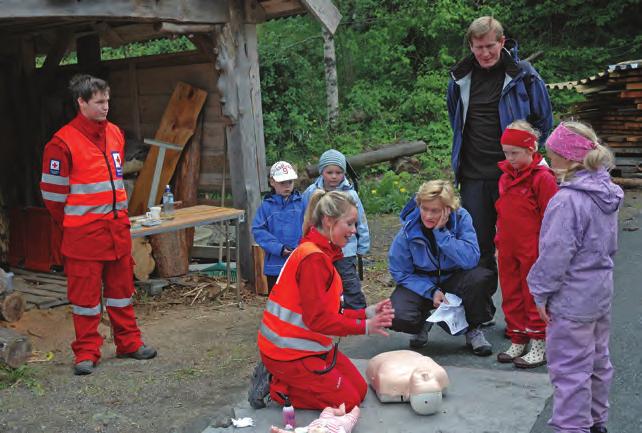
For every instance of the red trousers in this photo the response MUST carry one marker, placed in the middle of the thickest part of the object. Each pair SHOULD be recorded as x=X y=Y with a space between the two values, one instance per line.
x=309 y=390
x=85 y=279
x=522 y=319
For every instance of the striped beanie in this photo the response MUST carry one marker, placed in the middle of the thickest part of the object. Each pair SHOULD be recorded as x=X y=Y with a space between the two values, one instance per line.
x=332 y=157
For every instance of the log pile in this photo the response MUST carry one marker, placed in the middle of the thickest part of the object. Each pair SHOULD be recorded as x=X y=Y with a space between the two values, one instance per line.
x=613 y=107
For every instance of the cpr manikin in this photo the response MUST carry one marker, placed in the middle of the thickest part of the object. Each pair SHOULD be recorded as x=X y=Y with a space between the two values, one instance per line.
x=404 y=375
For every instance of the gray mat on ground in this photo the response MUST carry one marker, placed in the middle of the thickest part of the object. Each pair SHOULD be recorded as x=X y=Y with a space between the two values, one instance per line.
x=478 y=400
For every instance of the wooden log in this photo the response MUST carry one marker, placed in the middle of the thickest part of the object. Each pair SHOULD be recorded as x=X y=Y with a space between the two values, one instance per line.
x=11 y=307
x=386 y=153
x=15 y=348
x=627 y=183
x=260 y=281
x=144 y=262
x=170 y=253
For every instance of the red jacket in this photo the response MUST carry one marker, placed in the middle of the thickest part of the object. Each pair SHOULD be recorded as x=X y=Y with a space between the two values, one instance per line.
x=314 y=278
x=105 y=239
x=523 y=197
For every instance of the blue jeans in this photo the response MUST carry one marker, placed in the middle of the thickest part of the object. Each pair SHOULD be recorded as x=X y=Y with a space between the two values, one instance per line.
x=353 y=297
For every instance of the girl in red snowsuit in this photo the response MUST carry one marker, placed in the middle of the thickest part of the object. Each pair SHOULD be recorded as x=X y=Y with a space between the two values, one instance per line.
x=525 y=187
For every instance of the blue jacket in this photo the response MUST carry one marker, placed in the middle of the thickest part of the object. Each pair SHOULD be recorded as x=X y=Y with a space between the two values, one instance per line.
x=524 y=97
x=360 y=243
x=412 y=264
x=277 y=224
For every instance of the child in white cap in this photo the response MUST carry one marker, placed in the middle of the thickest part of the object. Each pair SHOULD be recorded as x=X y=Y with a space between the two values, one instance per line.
x=277 y=223
x=332 y=169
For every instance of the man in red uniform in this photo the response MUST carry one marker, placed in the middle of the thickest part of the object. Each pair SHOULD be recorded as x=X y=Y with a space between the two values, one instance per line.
x=82 y=187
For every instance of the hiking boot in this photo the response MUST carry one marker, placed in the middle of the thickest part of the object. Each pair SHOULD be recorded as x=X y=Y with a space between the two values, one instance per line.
x=477 y=341
x=84 y=368
x=598 y=429
x=259 y=386
x=421 y=339
x=143 y=352
x=534 y=358
x=511 y=353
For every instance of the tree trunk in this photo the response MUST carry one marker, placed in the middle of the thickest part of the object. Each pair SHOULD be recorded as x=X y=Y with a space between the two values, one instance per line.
x=15 y=348
x=11 y=307
x=331 y=85
x=170 y=253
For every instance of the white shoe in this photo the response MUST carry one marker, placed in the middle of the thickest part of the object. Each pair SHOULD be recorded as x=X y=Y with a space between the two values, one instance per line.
x=511 y=353
x=535 y=357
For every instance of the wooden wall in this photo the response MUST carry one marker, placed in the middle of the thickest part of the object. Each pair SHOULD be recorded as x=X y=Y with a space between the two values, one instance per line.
x=140 y=91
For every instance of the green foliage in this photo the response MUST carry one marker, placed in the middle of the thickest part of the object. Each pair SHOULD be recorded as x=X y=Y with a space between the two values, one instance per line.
x=23 y=375
x=388 y=193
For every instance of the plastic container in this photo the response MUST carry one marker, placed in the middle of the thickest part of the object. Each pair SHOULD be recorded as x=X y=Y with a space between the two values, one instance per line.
x=168 y=202
x=289 y=421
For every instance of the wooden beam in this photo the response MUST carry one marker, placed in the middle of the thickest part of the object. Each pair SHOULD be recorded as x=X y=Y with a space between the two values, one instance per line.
x=64 y=37
x=254 y=12
x=88 y=52
x=282 y=8
x=325 y=12
x=183 y=29
x=195 y=11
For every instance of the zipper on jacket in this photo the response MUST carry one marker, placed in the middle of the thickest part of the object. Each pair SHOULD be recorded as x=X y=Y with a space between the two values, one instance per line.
x=113 y=187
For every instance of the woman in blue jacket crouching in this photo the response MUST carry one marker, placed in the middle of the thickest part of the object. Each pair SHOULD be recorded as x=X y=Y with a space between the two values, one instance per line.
x=435 y=253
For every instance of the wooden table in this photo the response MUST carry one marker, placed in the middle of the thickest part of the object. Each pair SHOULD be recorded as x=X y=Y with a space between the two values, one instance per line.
x=197 y=216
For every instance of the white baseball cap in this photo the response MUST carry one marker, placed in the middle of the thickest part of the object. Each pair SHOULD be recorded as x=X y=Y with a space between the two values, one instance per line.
x=282 y=171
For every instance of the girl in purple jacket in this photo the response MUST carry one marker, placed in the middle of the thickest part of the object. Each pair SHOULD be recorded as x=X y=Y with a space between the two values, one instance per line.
x=572 y=280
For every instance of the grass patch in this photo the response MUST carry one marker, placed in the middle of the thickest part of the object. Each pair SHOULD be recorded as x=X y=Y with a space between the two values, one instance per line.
x=21 y=376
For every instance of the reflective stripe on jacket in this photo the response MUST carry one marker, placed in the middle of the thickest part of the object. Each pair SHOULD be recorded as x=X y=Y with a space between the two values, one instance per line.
x=96 y=189
x=283 y=335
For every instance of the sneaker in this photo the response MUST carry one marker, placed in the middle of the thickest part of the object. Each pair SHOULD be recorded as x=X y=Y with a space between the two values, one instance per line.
x=143 y=352
x=477 y=341
x=259 y=386
x=84 y=368
x=534 y=358
x=421 y=339
x=598 y=429
x=511 y=353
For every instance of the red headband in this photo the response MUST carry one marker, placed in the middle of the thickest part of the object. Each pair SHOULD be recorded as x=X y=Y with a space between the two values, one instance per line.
x=519 y=138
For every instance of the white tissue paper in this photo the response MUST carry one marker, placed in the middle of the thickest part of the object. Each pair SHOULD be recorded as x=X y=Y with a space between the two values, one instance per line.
x=243 y=422
x=452 y=313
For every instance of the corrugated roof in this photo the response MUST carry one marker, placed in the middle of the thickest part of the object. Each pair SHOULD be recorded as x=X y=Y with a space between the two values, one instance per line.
x=582 y=85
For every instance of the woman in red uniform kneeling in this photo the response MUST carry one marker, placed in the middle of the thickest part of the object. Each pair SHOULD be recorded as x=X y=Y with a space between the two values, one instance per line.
x=304 y=312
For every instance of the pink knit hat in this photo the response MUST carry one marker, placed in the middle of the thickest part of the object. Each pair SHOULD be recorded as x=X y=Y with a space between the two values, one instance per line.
x=568 y=144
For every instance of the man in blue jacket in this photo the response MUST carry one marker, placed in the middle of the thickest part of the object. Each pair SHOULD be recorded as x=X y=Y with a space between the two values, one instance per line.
x=487 y=91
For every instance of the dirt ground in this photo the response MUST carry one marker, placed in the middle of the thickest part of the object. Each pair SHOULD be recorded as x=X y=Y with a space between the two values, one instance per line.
x=206 y=354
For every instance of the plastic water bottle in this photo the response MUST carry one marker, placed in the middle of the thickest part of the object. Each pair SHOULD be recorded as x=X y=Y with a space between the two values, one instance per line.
x=168 y=201
x=288 y=415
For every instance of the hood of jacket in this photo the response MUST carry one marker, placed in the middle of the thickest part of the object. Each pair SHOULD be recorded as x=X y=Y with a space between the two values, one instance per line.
x=274 y=198
x=598 y=186
x=538 y=163
x=345 y=184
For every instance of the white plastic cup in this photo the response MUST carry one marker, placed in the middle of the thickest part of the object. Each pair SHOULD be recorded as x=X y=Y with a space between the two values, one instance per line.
x=155 y=212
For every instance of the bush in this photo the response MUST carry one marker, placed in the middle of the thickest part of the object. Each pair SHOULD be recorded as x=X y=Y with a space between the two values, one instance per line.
x=388 y=193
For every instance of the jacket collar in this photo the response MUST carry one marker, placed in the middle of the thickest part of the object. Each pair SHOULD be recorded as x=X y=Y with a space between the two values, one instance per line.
x=278 y=199
x=330 y=249
x=93 y=130
x=517 y=176
x=345 y=184
x=465 y=66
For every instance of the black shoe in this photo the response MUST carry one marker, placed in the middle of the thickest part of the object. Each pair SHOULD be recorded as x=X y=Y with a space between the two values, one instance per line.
x=598 y=429
x=421 y=339
x=143 y=352
x=84 y=368
x=259 y=386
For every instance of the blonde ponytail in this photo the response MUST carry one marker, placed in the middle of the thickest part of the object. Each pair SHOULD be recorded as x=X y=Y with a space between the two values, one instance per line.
x=333 y=204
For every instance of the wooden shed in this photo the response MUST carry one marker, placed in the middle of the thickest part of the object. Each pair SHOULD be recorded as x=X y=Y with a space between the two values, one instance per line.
x=34 y=102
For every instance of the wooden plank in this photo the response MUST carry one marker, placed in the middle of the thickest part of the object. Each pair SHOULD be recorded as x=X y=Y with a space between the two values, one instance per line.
x=282 y=8
x=631 y=94
x=37 y=299
x=153 y=106
x=191 y=217
x=634 y=85
x=161 y=80
x=135 y=105
x=177 y=126
x=57 y=288
x=40 y=292
x=196 y=11
x=260 y=281
x=325 y=12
